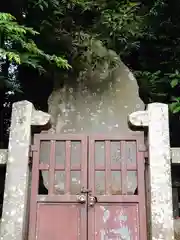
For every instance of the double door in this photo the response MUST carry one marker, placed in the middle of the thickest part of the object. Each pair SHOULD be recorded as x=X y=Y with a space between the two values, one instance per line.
x=87 y=188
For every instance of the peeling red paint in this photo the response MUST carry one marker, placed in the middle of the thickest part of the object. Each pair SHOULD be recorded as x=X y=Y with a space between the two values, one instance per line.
x=119 y=222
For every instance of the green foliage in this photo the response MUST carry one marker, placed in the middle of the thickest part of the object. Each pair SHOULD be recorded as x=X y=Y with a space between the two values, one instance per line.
x=175 y=82
x=153 y=84
x=120 y=25
x=93 y=34
x=17 y=45
x=174 y=78
x=95 y=61
x=159 y=52
x=160 y=87
x=175 y=106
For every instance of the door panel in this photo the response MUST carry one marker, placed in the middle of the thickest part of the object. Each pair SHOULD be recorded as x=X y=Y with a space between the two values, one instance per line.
x=60 y=221
x=116 y=177
x=114 y=221
x=60 y=162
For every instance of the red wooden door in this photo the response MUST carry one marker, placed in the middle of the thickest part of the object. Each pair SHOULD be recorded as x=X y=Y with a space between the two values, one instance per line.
x=95 y=188
x=116 y=177
x=61 y=160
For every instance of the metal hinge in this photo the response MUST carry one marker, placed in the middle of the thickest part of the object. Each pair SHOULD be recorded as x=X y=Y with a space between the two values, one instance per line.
x=146 y=154
x=143 y=148
x=32 y=149
x=146 y=161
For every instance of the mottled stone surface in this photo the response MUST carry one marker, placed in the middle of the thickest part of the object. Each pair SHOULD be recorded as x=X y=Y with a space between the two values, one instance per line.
x=3 y=156
x=175 y=155
x=100 y=107
x=160 y=172
x=13 y=224
x=139 y=118
x=39 y=118
x=14 y=205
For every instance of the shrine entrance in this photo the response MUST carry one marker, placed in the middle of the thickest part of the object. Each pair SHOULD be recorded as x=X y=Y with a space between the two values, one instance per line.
x=94 y=188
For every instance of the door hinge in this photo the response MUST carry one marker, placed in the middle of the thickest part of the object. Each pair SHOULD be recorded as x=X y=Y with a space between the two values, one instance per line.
x=144 y=149
x=146 y=154
x=146 y=161
x=31 y=150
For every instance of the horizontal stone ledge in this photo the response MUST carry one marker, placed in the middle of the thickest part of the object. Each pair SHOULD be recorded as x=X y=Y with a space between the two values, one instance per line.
x=3 y=156
x=175 y=156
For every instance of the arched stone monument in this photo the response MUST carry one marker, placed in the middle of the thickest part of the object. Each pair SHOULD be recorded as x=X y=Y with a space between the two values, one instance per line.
x=99 y=107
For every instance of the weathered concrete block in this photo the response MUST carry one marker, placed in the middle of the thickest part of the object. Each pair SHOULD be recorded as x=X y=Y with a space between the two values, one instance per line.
x=157 y=119
x=16 y=185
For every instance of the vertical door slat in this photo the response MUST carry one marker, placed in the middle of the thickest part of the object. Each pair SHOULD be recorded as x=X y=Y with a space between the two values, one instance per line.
x=123 y=167
x=68 y=166
x=107 y=167
x=52 y=168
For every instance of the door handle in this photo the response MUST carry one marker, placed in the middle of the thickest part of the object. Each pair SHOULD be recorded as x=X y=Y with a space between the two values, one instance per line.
x=81 y=198
x=92 y=201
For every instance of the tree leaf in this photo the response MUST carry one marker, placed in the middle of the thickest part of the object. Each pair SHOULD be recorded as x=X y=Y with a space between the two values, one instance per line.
x=174 y=82
x=173 y=106
x=176 y=110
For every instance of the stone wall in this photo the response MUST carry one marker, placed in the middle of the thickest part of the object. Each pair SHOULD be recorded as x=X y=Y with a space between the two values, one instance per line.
x=159 y=165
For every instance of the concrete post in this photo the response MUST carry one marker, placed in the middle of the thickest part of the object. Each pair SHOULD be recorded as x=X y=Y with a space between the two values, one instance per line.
x=15 y=196
x=157 y=119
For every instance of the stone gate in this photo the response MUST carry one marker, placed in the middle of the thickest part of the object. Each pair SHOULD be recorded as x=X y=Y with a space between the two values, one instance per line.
x=14 y=224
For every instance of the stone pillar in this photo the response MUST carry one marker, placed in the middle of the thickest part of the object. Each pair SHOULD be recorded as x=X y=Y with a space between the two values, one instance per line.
x=157 y=119
x=15 y=196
